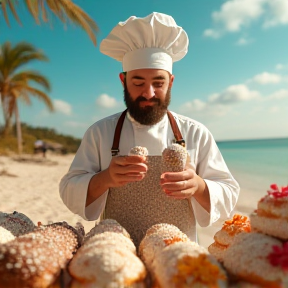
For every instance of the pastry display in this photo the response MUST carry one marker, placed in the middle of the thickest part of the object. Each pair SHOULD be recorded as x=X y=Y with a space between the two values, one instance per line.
x=35 y=260
x=224 y=237
x=271 y=216
x=243 y=255
x=258 y=259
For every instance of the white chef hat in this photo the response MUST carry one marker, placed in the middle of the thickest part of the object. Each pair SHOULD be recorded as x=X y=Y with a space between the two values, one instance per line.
x=154 y=41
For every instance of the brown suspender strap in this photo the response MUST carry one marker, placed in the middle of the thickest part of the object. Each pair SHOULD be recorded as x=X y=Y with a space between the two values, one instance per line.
x=176 y=131
x=174 y=126
x=115 y=146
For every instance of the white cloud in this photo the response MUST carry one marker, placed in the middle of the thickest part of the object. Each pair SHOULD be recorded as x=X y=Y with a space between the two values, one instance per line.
x=280 y=67
x=194 y=105
x=234 y=15
x=243 y=41
x=234 y=94
x=277 y=13
x=106 y=101
x=219 y=104
x=62 y=107
x=212 y=33
x=280 y=94
x=266 y=78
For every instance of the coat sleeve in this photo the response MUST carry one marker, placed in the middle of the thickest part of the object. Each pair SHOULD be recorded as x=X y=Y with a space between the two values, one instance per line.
x=74 y=185
x=223 y=188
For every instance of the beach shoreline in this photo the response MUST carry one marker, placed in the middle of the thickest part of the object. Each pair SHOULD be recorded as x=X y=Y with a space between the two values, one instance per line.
x=30 y=186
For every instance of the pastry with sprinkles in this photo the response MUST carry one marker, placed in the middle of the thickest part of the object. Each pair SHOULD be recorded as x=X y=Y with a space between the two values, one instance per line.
x=258 y=259
x=156 y=239
x=107 y=225
x=17 y=223
x=186 y=264
x=174 y=158
x=105 y=260
x=224 y=237
x=138 y=150
x=35 y=260
x=271 y=216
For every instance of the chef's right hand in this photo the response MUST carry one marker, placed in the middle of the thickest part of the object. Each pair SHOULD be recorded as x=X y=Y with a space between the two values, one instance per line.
x=126 y=169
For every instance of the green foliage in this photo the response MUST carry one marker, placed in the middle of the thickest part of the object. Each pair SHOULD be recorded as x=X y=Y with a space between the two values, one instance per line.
x=8 y=145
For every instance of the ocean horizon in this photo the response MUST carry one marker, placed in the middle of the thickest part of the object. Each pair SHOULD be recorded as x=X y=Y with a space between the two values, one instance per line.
x=257 y=163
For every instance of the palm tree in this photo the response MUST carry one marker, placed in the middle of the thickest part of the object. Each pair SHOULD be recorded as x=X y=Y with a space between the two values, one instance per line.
x=65 y=10
x=15 y=84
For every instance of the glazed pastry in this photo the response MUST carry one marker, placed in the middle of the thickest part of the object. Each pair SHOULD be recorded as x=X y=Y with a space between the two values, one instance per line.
x=156 y=239
x=174 y=158
x=186 y=264
x=259 y=259
x=35 y=260
x=17 y=223
x=271 y=216
x=107 y=225
x=138 y=150
x=224 y=237
x=107 y=259
x=110 y=238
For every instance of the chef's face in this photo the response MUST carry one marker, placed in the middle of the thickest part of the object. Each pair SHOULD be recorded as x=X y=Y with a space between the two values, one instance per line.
x=147 y=94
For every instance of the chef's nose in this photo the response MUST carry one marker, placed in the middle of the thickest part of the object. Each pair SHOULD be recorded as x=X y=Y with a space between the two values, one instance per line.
x=149 y=92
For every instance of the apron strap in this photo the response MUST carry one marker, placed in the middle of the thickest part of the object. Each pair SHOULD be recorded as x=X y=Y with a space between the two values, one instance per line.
x=174 y=126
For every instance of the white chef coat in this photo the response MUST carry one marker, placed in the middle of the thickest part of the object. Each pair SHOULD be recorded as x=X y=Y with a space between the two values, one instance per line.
x=94 y=155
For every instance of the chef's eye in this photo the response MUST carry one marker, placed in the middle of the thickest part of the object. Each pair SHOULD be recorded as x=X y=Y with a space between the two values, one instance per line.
x=158 y=84
x=139 y=84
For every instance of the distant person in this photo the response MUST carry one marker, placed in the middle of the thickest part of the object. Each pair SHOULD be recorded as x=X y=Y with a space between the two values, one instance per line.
x=40 y=146
x=130 y=189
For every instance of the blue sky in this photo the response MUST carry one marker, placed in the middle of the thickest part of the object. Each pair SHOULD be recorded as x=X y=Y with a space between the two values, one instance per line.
x=234 y=78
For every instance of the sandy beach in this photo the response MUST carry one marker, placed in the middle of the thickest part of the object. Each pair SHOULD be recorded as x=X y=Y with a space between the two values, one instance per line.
x=30 y=186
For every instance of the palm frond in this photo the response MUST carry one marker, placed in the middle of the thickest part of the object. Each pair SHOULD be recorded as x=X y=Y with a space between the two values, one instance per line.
x=4 y=9
x=13 y=10
x=33 y=9
x=63 y=9
x=40 y=95
x=20 y=85
x=31 y=76
x=13 y=58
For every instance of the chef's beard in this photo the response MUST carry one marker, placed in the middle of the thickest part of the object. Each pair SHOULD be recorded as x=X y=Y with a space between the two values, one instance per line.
x=148 y=115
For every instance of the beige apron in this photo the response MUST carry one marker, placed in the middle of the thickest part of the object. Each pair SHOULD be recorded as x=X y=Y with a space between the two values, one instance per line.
x=139 y=205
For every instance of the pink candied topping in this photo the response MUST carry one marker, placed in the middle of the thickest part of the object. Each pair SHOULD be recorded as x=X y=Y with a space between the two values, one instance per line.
x=279 y=256
x=276 y=192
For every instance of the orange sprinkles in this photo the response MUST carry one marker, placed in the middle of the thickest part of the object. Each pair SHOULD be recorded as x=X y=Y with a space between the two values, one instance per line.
x=201 y=269
x=236 y=224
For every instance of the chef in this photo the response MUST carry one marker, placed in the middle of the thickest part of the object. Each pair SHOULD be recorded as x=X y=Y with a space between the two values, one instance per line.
x=104 y=181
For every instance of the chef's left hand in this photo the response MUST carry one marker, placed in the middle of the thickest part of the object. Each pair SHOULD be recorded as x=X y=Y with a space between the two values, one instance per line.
x=181 y=185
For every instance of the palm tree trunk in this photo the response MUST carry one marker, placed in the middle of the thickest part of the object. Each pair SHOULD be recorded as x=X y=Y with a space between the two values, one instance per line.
x=18 y=129
x=7 y=117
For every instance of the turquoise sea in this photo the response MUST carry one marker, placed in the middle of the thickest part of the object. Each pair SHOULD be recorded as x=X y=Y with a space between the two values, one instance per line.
x=256 y=164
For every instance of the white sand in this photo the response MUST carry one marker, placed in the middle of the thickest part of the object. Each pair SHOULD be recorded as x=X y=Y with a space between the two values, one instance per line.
x=34 y=192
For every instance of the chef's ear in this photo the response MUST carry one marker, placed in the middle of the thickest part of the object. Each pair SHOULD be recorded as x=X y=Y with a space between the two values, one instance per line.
x=172 y=77
x=122 y=76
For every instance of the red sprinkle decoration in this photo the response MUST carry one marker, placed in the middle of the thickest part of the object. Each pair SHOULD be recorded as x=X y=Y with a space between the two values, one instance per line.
x=279 y=256
x=276 y=192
